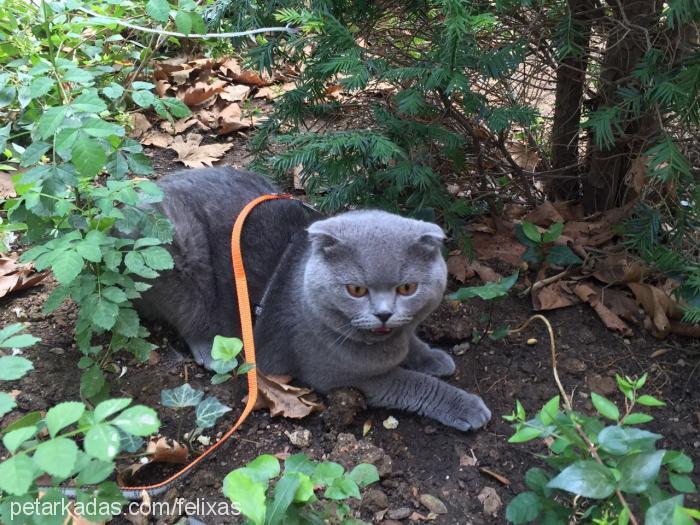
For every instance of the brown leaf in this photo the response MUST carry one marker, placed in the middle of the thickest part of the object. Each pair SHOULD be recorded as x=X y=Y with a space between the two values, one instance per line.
x=245 y=76
x=201 y=92
x=15 y=276
x=230 y=119
x=162 y=87
x=619 y=268
x=180 y=126
x=620 y=303
x=589 y=295
x=157 y=139
x=491 y=501
x=140 y=125
x=658 y=306
x=458 y=267
x=235 y=92
x=7 y=188
x=495 y=475
x=524 y=156
x=593 y=234
x=164 y=450
x=286 y=400
x=544 y=215
x=498 y=246
x=553 y=296
x=636 y=175
x=570 y=210
x=193 y=155
x=274 y=91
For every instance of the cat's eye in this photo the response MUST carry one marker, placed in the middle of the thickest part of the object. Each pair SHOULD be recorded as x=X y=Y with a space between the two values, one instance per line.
x=356 y=290
x=406 y=288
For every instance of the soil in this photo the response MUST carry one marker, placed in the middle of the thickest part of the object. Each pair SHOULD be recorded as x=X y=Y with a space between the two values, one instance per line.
x=419 y=456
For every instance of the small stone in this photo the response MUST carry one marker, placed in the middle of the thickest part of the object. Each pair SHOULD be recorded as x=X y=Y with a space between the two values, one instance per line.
x=433 y=504
x=461 y=348
x=430 y=430
x=603 y=385
x=204 y=440
x=57 y=350
x=399 y=514
x=20 y=313
x=375 y=500
x=531 y=342
x=390 y=423
x=573 y=366
x=299 y=438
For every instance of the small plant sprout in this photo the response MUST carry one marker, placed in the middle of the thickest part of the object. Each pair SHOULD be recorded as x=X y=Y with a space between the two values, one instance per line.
x=541 y=246
x=208 y=410
x=224 y=353
x=267 y=496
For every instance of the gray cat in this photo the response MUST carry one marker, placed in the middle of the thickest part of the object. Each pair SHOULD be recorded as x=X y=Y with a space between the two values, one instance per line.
x=341 y=297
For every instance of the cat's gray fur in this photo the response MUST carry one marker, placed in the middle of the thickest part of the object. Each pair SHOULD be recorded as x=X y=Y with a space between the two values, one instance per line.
x=310 y=327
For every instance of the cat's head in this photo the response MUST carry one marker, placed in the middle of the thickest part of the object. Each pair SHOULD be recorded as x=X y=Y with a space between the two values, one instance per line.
x=372 y=274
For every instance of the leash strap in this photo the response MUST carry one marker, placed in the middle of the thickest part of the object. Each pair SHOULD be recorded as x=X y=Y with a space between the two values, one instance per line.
x=248 y=349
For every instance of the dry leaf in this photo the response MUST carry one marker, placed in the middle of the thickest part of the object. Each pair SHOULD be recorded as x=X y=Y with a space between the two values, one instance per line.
x=619 y=268
x=636 y=175
x=587 y=294
x=193 y=155
x=458 y=267
x=164 y=450
x=468 y=461
x=491 y=501
x=15 y=276
x=286 y=400
x=7 y=189
x=525 y=157
x=544 y=215
x=235 y=92
x=274 y=91
x=157 y=139
x=553 y=296
x=230 y=119
x=180 y=126
x=498 y=246
x=594 y=234
x=495 y=475
x=140 y=125
x=162 y=87
x=662 y=310
x=433 y=504
x=201 y=92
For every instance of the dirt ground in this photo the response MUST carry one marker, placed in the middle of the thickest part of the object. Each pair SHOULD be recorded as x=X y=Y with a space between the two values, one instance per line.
x=419 y=456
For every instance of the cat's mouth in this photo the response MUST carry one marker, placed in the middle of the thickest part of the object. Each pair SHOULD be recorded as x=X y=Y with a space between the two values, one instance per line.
x=382 y=330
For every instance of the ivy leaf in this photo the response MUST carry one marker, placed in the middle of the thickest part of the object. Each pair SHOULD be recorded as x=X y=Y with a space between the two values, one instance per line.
x=180 y=397
x=585 y=478
x=16 y=474
x=226 y=348
x=553 y=233
x=247 y=495
x=14 y=367
x=138 y=421
x=62 y=415
x=57 y=456
x=605 y=407
x=524 y=508
x=639 y=471
x=209 y=411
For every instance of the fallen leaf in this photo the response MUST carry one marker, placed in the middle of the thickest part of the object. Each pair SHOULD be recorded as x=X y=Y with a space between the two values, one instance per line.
x=433 y=504
x=180 y=126
x=162 y=87
x=495 y=475
x=193 y=155
x=523 y=155
x=619 y=268
x=286 y=400
x=553 y=296
x=417 y=516
x=570 y=210
x=589 y=295
x=157 y=139
x=164 y=450
x=274 y=91
x=235 y=92
x=621 y=303
x=662 y=310
x=201 y=92
x=140 y=125
x=636 y=177
x=491 y=501
x=15 y=276
x=468 y=461
x=230 y=119
x=593 y=234
x=498 y=246
x=7 y=188
x=458 y=267
x=544 y=215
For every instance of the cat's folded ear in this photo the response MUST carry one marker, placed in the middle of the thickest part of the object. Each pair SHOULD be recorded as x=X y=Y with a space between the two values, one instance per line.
x=430 y=240
x=323 y=240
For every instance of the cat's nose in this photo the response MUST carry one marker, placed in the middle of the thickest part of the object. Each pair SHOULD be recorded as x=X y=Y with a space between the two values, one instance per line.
x=383 y=316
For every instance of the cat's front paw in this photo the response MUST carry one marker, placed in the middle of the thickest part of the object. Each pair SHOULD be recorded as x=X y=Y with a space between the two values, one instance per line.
x=435 y=362
x=464 y=412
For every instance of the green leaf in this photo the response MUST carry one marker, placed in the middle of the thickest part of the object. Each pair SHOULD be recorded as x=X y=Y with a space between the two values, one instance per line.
x=34 y=152
x=532 y=232
x=89 y=102
x=96 y=127
x=14 y=367
x=102 y=442
x=487 y=291
x=105 y=314
x=209 y=411
x=143 y=98
x=96 y=471
x=620 y=440
x=342 y=488
x=113 y=91
x=247 y=495
x=682 y=483
x=19 y=341
x=553 y=233
x=226 y=348
x=89 y=251
x=605 y=407
x=327 y=472
x=585 y=478
x=650 y=401
x=16 y=474
x=549 y=411
x=40 y=86
x=135 y=263
x=57 y=456
x=180 y=397
x=138 y=421
x=158 y=10
x=636 y=418
x=306 y=488
x=114 y=294
x=28 y=420
x=678 y=462
x=183 y=22
x=524 y=508
x=50 y=120
x=110 y=406
x=364 y=474
x=525 y=434
x=536 y=479
x=639 y=471
x=67 y=266
x=62 y=415
x=263 y=468
x=13 y=440
x=285 y=489
x=92 y=381
x=7 y=403
x=562 y=255
x=157 y=257
x=662 y=512
x=88 y=156
x=299 y=463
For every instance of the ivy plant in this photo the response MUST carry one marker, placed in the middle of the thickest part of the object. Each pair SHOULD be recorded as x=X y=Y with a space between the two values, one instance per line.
x=207 y=409
x=602 y=468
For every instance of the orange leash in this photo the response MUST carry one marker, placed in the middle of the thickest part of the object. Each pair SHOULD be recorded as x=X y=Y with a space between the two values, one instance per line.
x=248 y=349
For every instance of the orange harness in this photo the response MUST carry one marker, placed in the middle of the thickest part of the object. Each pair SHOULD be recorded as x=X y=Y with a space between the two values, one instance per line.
x=248 y=349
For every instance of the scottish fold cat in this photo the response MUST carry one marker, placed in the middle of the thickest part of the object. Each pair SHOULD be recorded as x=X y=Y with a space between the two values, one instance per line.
x=338 y=299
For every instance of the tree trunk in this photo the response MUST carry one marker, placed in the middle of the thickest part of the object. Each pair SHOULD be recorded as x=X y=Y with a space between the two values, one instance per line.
x=626 y=45
x=571 y=78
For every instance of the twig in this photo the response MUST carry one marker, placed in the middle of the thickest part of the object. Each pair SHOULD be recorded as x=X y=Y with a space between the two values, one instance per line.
x=567 y=404
x=544 y=282
x=237 y=34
